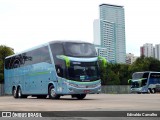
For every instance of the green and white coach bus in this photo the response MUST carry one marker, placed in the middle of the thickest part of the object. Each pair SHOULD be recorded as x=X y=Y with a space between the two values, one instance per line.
x=145 y=82
x=54 y=69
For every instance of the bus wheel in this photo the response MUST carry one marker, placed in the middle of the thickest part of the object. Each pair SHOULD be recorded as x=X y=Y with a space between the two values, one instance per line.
x=14 y=93
x=149 y=91
x=81 y=96
x=153 y=90
x=52 y=93
x=19 y=93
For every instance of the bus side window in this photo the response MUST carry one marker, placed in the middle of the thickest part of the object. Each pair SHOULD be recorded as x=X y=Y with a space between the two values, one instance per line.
x=57 y=49
x=60 y=68
x=145 y=75
x=144 y=82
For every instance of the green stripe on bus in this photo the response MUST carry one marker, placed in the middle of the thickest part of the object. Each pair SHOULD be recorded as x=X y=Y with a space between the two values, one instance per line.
x=38 y=73
x=71 y=81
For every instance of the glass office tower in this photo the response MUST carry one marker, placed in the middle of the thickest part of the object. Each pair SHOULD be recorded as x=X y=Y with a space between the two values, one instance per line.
x=112 y=33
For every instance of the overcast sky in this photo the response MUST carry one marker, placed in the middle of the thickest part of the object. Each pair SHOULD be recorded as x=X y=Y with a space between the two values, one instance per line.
x=27 y=23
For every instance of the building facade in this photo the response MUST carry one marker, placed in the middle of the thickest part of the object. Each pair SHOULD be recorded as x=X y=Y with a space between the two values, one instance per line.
x=147 y=50
x=111 y=37
x=141 y=51
x=130 y=58
x=157 y=51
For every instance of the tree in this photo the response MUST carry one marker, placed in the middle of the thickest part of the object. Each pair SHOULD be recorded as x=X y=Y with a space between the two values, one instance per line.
x=112 y=78
x=103 y=74
x=124 y=74
x=4 y=52
x=109 y=74
x=115 y=74
x=154 y=64
x=145 y=64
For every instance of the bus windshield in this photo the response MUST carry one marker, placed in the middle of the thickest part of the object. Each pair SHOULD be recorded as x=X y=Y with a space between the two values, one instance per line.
x=138 y=83
x=79 y=49
x=139 y=75
x=83 y=71
x=135 y=84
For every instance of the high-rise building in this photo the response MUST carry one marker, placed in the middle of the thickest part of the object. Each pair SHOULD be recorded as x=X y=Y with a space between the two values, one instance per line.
x=147 y=50
x=141 y=51
x=105 y=47
x=130 y=58
x=157 y=51
x=111 y=35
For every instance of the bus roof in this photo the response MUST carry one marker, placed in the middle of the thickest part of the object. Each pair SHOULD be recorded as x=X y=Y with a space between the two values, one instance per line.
x=147 y=72
x=45 y=44
x=35 y=47
x=66 y=41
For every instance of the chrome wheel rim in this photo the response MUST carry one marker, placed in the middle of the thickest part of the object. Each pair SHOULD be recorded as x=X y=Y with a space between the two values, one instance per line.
x=19 y=93
x=53 y=92
x=149 y=91
x=14 y=92
x=153 y=91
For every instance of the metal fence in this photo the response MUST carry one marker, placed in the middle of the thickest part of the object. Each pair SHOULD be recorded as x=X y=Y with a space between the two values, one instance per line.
x=116 y=89
x=108 y=89
x=1 y=89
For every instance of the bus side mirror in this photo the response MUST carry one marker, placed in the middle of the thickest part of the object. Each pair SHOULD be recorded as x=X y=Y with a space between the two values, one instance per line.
x=59 y=71
x=103 y=61
x=129 y=81
x=63 y=57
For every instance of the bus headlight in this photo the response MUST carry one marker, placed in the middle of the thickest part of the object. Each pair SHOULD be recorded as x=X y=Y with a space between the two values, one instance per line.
x=73 y=85
x=85 y=86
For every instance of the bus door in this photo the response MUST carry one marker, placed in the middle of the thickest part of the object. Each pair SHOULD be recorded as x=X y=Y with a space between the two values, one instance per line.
x=60 y=85
x=60 y=69
x=59 y=79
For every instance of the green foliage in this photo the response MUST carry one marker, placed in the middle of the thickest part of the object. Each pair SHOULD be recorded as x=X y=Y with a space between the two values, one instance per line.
x=103 y=74
x=119 y=74
x=146 y=64
x=4 y=52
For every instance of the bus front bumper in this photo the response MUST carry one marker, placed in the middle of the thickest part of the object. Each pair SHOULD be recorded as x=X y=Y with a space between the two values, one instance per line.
x=138 y=90
x=75 y=90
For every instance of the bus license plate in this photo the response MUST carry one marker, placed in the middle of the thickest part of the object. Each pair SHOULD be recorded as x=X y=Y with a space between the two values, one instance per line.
x=86 y=91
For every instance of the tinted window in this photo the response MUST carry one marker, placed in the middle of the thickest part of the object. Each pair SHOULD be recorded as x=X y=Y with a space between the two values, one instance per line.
x=154 y=78
x=135 y=84
x=140 y=75
x=32 y=57
x=79 y=49
x=83 y=71
x=155 y=75
x=145 y=75
x=57 y=49
x=137 y=75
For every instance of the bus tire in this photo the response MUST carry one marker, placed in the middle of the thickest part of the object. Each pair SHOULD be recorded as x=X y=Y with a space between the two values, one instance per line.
x=14 y=93
x=19 y=92
x=149 y=91
x=20 y=95
x=52 y=93
x=153 y=90
x=81 y=96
